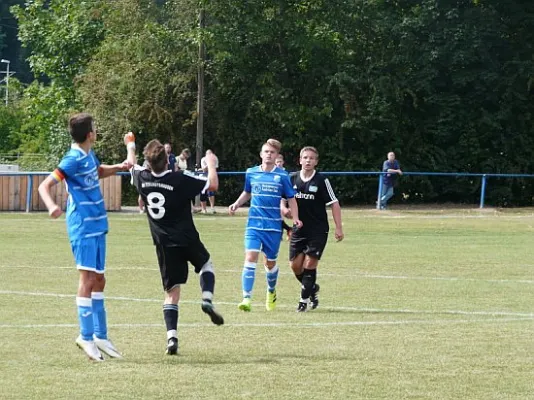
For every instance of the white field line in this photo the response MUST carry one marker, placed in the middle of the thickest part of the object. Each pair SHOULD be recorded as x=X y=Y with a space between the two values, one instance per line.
x=327 y=308
x=407 y=277
x=282 y=324
x=354 y=275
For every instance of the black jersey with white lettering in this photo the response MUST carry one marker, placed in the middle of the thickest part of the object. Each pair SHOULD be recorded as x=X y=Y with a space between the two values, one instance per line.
x=167 y=197
x=313 y=194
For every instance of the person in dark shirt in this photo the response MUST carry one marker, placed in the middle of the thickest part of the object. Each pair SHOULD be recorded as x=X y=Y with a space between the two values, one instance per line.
x=313 y=193
x=392 y=166
x=167 y=197
x=171 y=157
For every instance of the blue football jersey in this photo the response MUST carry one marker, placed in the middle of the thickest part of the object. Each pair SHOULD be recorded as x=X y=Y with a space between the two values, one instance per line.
x=267 y=189
x=86 y=211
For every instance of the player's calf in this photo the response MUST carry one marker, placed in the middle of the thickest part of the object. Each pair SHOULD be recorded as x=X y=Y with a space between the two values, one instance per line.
x=170 y=315
x=314 y=297
x=308 y=282
x=207 y=285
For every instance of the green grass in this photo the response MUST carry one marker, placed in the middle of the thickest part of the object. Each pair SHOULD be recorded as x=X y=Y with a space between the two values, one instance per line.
x=414 y=305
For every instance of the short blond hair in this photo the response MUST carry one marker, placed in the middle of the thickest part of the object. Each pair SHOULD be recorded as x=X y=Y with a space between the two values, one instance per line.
x=309 y=148
x=274 y=143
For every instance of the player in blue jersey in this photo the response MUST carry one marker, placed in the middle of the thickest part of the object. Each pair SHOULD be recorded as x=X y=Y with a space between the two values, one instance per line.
x=87 y=226
x=265 y=185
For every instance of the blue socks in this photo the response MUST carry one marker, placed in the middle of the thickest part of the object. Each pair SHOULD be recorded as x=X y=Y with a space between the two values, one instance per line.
x=272 y=277
x=99 y=315
x=249 y=275
x=247 y=279
x=85 y=317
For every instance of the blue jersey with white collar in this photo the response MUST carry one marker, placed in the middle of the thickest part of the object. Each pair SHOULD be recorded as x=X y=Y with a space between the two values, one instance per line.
x=267 y=189
x=86 y=212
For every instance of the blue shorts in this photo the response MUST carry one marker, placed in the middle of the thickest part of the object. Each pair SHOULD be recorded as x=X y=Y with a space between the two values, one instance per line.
x=206 y=196
x=90 y=253
x=265 y=241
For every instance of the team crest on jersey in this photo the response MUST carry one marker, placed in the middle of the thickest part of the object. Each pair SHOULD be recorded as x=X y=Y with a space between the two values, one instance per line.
x=90 y=179
x=313 y=189
x=277 y=178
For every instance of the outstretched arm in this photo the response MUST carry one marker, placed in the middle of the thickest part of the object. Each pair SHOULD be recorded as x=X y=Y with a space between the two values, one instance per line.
x=107 y=170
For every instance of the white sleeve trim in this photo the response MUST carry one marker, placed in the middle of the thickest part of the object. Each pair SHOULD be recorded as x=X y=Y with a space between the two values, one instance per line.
x=200 y=178
x=193 y=175
x=135 y=167
x=332 y=202
x=330 y=191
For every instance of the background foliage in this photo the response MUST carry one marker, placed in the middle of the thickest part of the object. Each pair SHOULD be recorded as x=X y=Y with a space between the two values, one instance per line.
x=447 y=85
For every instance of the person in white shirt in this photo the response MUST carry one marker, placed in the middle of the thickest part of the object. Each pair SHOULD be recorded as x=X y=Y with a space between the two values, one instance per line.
x=181 y=160
x=207 y=195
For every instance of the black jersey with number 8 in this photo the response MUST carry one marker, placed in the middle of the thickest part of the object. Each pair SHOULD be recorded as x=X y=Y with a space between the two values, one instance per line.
x=167 y=197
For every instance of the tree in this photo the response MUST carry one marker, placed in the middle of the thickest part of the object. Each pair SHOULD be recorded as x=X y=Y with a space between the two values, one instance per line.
x=62 y=36
x=143 y=79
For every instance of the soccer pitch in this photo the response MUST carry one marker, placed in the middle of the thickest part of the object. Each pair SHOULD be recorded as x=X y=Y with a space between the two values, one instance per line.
x=414 y=305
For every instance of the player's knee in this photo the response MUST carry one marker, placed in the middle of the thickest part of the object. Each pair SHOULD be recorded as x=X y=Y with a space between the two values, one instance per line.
x=251 y=257
x=296 y=267
x=270 y=264
x=100 y=281
x=87 y=277
x=87 y=282
x=207 y=267
x=249 y=265
x=172 y=296
x=310 y=263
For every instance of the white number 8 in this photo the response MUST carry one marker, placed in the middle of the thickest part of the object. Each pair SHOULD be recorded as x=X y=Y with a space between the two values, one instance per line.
x=155 y=208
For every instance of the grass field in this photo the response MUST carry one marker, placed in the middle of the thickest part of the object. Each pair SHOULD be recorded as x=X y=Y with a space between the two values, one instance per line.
x=414 y=305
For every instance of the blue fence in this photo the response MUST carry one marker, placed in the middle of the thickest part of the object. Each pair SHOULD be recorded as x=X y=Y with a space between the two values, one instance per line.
x=483 y=177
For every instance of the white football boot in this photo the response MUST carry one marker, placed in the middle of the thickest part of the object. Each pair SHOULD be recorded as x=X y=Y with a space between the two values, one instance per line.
x=89 y=347
x=107 y=347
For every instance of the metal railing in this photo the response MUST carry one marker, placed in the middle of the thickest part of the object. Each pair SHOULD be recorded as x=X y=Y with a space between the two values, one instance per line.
x=483 y=186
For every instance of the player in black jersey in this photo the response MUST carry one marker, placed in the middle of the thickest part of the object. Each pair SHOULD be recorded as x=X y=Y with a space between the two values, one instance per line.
x=314 y=192
x=167 y=196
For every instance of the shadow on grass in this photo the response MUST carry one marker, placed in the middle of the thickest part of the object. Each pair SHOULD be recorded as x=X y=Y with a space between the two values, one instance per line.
x=202 y=359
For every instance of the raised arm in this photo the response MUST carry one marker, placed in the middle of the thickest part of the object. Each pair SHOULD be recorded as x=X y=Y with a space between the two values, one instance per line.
x=129 y=141
x=213 y=178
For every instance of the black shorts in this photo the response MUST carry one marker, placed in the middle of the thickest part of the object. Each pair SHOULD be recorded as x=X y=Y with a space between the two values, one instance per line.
x=173 y=262
x=205 y=196
x=311 y=245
